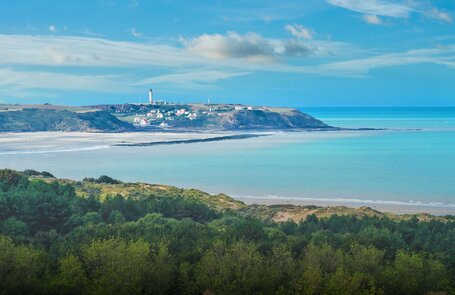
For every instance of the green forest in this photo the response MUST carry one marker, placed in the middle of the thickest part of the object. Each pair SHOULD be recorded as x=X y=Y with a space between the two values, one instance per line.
x=53 y=241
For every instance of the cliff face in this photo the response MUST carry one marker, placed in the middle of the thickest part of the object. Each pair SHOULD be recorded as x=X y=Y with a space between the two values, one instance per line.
x=226 y=117
x=264 y=119
x=29 y=120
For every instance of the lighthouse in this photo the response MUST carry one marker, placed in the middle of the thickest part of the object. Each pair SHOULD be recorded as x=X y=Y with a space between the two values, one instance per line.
x=151 y=96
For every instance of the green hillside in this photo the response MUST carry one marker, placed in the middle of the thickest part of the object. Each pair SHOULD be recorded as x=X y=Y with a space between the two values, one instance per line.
x=49 y=119
x=166 y=117
x=215 y=117
x=102 y=236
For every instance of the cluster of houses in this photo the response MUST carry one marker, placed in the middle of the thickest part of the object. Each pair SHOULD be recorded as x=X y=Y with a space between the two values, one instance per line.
x=149 y=114
x=241 y=108
x=155 y=115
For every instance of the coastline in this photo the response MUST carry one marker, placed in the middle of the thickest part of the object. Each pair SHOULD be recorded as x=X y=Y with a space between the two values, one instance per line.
x=56 y=142
x=394 y=207
x=53 y=141
x=196 y=140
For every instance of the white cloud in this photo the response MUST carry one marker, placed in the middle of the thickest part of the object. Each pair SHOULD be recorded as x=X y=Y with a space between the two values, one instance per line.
x=87 y=32
x=84 y=51
x=437 y=14
x=392 y=8
x=231 y=50
x=250 y=46
x=135 y=33
x=362 y=66
x=52 y=29
x=196 y=78
x=374 y=7
x=203 y=61
x=228 y=46
x=26 y=81
x=372 y=19
x=299 y=31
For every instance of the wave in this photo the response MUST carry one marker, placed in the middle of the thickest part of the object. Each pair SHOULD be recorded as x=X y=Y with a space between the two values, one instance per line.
x=91 y=148
x=355 y=201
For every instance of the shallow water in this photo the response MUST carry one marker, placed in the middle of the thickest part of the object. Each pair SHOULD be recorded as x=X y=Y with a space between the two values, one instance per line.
x=380 y=166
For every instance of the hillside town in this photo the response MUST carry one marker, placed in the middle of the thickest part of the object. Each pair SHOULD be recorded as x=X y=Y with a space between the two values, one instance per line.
x=162 y=114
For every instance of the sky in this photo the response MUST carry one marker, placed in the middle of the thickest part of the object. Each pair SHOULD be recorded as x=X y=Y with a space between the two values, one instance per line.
x=262 y=52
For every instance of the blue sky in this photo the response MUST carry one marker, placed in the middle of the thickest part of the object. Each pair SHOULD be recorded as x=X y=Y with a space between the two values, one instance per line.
x=291 y=53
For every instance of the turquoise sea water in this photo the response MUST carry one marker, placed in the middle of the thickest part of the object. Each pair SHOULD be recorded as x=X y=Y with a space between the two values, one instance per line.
x=403 y=166
x=386 y=117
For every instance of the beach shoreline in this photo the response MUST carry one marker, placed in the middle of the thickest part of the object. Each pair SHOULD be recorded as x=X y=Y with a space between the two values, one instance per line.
x=58 y=142
x=394 y=207
x=52 y=141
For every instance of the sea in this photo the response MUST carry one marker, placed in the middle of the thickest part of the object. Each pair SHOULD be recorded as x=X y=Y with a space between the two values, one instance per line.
x=410 y=161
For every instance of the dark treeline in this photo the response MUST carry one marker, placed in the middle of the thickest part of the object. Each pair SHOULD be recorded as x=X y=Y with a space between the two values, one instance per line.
x=54 y=242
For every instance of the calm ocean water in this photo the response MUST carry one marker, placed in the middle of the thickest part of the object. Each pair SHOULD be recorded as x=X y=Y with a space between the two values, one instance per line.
x=404 y=166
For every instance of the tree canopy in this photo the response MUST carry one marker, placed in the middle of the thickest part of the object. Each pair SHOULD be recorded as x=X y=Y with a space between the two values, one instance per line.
x=53 y=241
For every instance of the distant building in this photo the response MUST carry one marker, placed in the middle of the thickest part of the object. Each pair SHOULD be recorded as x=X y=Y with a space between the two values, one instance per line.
x=137 y=119
x=180 y=112
x=238 y=108
x=151 y=96
x=144 y=122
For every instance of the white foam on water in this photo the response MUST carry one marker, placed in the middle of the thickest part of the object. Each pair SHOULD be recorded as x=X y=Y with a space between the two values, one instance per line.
x=91 y=148
x=352 y=201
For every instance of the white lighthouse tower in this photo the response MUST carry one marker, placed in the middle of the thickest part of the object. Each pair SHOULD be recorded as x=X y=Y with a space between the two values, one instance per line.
x=151 y=96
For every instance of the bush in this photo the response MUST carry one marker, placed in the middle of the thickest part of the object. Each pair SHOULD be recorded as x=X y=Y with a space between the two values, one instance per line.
x=102 y=179
x=30 y=172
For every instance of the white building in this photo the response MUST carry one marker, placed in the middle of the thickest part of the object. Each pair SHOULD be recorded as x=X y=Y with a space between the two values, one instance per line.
x=152 y=113
x=144 y=122
x=192 y=116
x=151 y=96
x=180 y=112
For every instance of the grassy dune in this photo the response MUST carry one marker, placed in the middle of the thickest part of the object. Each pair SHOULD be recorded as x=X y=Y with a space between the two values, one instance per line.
x=222 y=202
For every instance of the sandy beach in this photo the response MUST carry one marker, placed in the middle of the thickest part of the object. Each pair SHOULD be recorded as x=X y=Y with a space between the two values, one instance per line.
x=16 y=148
x=49 y=142
x=383 y=206
x=63 y=141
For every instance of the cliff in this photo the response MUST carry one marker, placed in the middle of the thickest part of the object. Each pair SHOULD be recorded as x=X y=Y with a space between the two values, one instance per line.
x=34 y=119
x=169 y=117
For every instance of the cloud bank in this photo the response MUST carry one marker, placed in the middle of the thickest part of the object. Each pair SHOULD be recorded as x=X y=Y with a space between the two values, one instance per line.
x=46 y=62
x=396 y=9
x=372 y=19
x=299 y=31
x=251 y=46
x=193 y=79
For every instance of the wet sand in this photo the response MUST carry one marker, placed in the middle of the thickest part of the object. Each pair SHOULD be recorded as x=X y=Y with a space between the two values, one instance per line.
x=46 y=142
x=63 y=141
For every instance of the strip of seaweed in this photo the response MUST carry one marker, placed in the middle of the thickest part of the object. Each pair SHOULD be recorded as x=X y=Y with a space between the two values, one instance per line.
x=187 y=141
